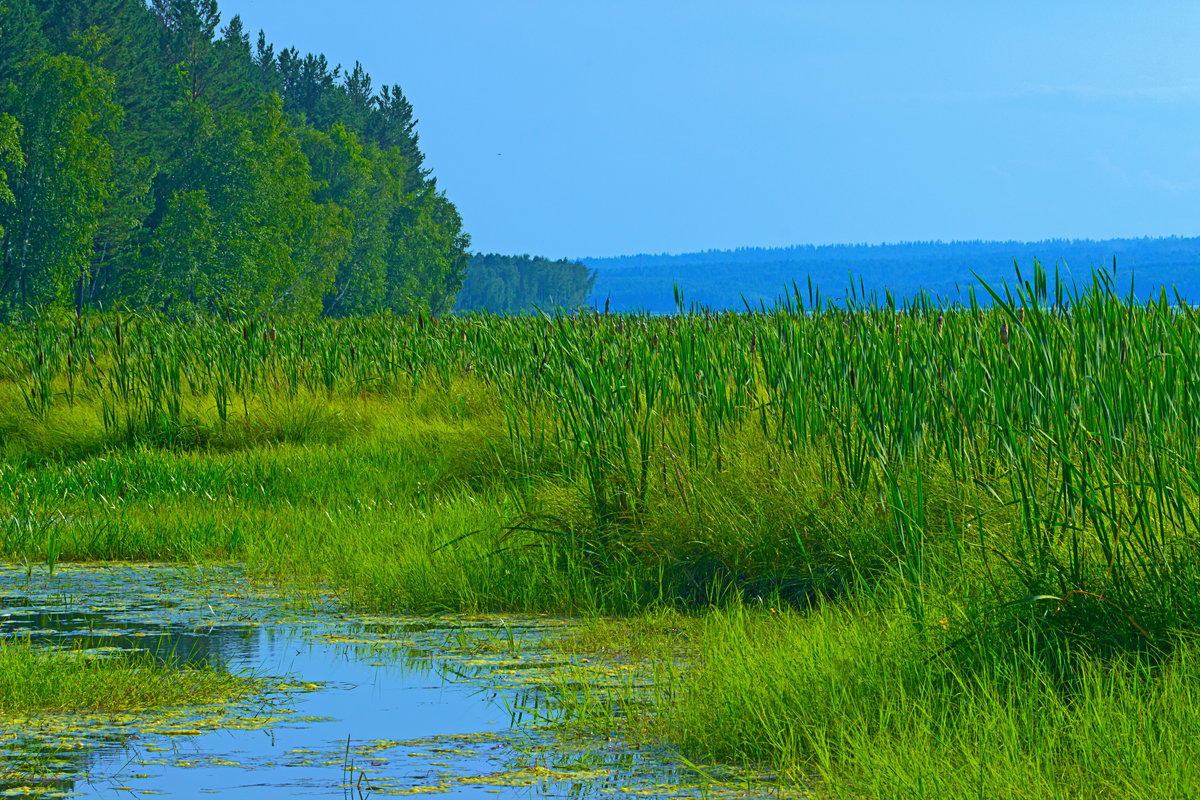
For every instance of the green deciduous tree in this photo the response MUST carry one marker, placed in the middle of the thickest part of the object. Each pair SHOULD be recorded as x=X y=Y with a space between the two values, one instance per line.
x=182 y=249
x=274 y=246
x=10 y=156
x=368 y=184
x=428 y=257
x=68 y=118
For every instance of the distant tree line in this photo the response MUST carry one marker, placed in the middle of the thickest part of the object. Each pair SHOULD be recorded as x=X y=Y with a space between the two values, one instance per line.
x=733 y=278
x=513 y=284
x=149 y=159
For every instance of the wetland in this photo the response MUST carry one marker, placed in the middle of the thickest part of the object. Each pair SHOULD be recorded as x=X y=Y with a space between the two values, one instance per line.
x=341 y=703
x=934 y=550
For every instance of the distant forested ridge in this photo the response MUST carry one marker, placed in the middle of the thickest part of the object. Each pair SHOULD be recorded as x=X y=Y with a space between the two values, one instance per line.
x=513 y=284
x=151 y=158
x=720 y=278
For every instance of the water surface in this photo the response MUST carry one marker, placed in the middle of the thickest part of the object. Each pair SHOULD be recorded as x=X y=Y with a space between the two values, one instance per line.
x=364 y=706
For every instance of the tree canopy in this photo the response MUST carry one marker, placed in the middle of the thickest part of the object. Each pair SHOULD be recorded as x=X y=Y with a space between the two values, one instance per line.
x=150 y=157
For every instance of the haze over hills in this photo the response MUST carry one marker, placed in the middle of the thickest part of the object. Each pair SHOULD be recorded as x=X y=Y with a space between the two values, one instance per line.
x=722 y=278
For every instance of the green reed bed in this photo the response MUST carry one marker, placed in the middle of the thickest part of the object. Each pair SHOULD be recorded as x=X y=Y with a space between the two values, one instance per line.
x=972 y=504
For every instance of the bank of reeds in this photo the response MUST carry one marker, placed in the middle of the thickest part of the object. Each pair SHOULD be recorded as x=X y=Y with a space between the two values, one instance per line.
x=1020 y=477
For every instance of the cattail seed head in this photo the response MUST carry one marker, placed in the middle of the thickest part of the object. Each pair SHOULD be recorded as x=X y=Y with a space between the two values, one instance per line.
x=1004 y=333
x=753 y=342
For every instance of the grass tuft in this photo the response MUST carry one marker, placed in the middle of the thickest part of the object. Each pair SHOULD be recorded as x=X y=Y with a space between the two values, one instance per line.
x=40 y=680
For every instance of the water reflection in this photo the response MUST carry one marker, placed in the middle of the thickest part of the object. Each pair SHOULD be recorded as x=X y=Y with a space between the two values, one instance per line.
x=170 y=644
x=386 y=706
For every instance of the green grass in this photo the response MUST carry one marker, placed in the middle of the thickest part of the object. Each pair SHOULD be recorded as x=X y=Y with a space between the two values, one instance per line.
x=39 y=680
x=395 y=503
x=979 y=529
x=851 y=699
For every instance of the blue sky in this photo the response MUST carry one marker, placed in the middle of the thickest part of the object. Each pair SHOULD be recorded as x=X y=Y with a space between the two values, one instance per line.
x=593 y=128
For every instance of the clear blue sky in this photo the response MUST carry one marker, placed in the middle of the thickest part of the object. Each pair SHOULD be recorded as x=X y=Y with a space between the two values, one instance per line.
x=598 y=127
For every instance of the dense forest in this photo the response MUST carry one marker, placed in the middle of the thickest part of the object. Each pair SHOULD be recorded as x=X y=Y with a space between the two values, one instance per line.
x=515 y=284
x=151 y=158
x=732 y=278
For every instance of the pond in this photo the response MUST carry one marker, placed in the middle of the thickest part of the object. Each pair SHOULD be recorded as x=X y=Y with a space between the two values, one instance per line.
x=363 y=705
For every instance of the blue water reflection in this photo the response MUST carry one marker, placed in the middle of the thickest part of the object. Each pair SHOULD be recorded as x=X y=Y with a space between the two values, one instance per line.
x=397 y=707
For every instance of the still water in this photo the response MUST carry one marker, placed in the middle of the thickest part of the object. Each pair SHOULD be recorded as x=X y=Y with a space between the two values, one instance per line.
x=363 y=706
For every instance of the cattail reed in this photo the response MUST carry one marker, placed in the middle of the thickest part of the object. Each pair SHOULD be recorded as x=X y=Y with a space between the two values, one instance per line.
x=957 y=400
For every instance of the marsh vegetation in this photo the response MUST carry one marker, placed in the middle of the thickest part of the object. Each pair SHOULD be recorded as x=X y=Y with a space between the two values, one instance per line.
x=918 y=550
x=35 y=679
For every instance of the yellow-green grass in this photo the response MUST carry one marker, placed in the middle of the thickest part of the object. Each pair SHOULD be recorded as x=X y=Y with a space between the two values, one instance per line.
x=36 y=679
x=362 y=503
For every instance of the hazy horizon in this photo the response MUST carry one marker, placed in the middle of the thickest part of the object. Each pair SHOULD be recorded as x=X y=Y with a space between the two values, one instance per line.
x=883 y=244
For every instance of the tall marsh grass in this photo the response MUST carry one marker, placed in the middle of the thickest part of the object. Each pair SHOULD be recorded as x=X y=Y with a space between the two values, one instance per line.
x=1020 y=478
x=1065 y=417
